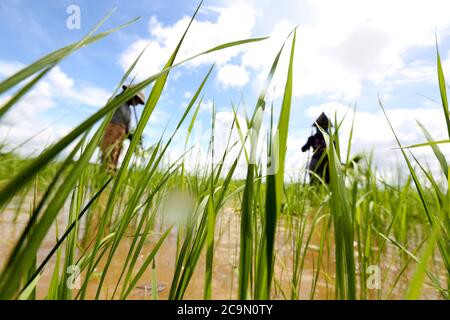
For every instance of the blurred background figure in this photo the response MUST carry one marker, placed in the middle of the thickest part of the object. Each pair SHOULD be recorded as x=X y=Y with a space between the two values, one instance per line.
x=117 y=131
x=318 y=165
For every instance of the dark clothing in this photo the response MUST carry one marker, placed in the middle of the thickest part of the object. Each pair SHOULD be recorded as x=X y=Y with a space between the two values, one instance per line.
x=319 y=160
x=317 y=142
x=122 y=116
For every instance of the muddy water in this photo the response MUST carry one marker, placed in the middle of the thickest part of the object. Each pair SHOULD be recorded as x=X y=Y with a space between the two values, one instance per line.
x=226 y=259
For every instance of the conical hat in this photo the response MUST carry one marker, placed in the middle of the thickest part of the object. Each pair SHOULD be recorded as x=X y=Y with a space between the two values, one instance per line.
x=140 y=95
x=322 y=121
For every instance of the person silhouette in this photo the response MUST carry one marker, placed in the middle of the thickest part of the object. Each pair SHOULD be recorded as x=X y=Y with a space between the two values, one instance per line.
x=318 y=166
x=117 y=131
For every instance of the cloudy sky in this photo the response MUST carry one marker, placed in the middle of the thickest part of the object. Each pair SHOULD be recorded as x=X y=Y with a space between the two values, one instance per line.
x=347 y=52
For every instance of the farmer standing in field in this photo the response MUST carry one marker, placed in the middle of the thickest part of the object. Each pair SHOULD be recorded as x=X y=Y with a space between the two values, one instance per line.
x=319 y=160
x=117 y=131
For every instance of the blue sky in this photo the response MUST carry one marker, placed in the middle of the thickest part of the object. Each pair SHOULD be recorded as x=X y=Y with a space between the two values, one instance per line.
x=347 y=51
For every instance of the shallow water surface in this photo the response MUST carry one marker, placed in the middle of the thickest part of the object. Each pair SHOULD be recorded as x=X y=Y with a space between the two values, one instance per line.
x=226 y=259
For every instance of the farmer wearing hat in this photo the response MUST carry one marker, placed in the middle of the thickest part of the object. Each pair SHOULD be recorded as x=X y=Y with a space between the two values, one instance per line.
x=319 y=160
x=117 y=131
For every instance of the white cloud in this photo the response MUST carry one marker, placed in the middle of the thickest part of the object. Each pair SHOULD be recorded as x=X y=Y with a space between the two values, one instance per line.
x=206 y=106
x=232 y=23
x=233 y=76
x=9 y=67
x=342 y=44
x=29 y=116
x=89 y=95
x=199 y=155
x=62 y=86
x=187 y=94
x=25 y=120
x=160 y=117
x=372 y=127
x=372 y=132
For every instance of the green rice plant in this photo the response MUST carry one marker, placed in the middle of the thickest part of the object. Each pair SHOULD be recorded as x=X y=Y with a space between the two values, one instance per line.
x=343 y=223
x=54 y=199
x=438 y=219
x=200 y=229
x=275 y=186
x=246 y=240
